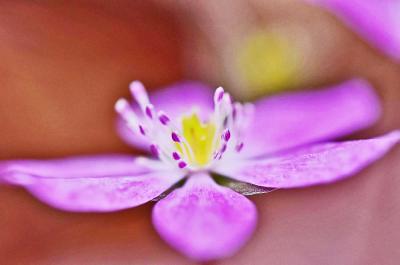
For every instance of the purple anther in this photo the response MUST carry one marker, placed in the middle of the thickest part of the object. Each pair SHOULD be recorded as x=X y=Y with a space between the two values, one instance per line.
x=216 y=155
x=234 y=112
x=163 y=119
x=220 y=96
x=239 y=147
x=175 y=137
x=223 y=149
x=182 y=164
x=141 y=129
x=176 y=156
x=225 y=122
x=154 y=150
x=148 y=111
x=227 y=135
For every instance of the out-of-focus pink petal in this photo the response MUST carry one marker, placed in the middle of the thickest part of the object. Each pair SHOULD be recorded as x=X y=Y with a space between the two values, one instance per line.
x=90 y=183
x=184 y=97
x=286 y=121
x=203 y=220
x=316 y=164
x=73 y=167
x=378 y=21
x=175 y=100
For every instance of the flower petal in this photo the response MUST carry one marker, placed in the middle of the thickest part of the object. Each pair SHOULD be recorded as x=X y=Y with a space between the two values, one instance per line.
x=91 y=183
x=175 y=100
x=203 y=220
x=183 y=97
x=377 y=21
x=295 y=119
x=316 y=164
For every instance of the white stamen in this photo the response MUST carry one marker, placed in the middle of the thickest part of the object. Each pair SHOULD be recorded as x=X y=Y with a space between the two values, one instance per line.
x=125 y=110
x=165 y=137
x=139 y=93
x=219 y=93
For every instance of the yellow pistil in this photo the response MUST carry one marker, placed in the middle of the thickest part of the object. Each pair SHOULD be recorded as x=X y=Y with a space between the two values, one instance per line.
x=200 y=137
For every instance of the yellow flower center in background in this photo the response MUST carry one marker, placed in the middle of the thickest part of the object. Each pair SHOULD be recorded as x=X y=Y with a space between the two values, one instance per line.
x=267 y=62
x=200 y=138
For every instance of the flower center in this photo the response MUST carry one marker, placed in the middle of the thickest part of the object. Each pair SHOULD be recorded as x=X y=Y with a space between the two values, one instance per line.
x=192 y=144
x=200 y=138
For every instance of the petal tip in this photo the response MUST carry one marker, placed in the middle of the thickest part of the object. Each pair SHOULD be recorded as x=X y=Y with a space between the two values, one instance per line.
x=205 y=221
x=392 y=137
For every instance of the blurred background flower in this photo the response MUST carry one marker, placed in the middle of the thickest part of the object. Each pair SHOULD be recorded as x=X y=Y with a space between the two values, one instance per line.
x=376 y=21
x=64 y=64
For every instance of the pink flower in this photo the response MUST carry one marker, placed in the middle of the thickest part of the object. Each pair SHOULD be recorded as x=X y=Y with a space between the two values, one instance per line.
x=378 y=21
x=193 y=140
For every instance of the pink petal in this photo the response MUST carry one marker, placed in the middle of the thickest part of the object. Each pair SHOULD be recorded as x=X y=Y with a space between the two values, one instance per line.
x=286 y=121
x=175 y=100
x=378 y=21
x=203 y=220
x=91 y=183
x=316 y=164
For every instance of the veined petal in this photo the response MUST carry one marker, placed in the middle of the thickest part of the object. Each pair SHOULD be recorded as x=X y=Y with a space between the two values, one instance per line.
x=316 y=164
x=89 y=183
x=203 y=220
x=295 y=119
x=17 y=171
x=175 y=100
x=377 y=21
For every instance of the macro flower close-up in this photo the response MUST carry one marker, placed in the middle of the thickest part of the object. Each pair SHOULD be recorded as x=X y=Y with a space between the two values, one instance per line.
x=230 y=132
x=198 y=144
